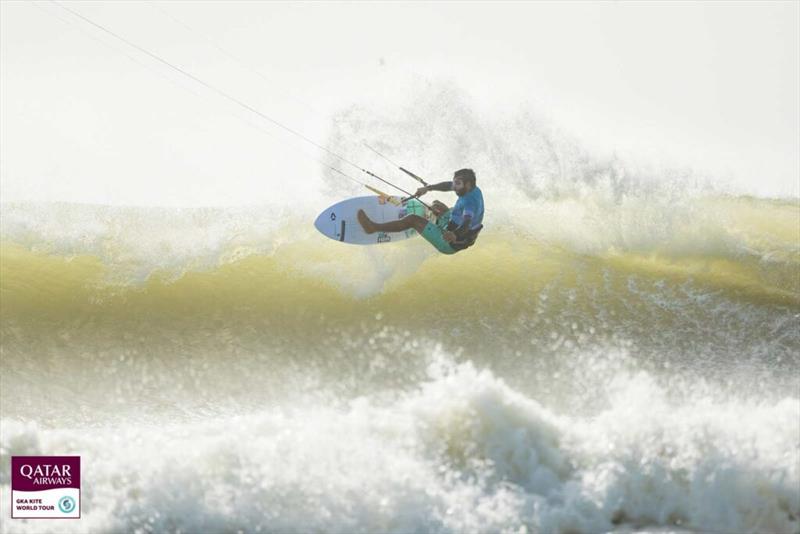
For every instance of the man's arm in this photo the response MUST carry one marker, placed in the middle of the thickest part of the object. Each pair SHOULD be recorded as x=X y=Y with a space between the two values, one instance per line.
x=460 y=233
x=439 y=208
x=441 y=186
x=469 y=208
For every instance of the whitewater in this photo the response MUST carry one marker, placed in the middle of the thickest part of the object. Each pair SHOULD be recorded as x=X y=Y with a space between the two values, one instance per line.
x=618 y=352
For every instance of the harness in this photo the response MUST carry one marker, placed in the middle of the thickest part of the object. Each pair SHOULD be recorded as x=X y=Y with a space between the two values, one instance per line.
x=469 y=238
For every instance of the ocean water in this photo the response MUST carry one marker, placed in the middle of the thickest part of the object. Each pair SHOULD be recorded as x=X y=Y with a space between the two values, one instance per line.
x=608 y=357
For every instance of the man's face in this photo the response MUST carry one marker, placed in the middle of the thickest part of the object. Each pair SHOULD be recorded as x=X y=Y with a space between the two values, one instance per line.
x=460 y=187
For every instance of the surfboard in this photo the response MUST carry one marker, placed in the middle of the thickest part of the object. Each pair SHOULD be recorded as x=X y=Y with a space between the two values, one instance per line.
x=339 y=221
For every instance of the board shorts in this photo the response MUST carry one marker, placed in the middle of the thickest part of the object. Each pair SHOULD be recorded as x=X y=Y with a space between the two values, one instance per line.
x=435 y=236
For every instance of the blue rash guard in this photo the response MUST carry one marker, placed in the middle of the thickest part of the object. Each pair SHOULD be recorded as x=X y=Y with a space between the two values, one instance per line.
x=470 y=204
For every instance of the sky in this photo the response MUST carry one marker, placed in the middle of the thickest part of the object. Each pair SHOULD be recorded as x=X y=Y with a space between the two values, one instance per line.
x=714 y=86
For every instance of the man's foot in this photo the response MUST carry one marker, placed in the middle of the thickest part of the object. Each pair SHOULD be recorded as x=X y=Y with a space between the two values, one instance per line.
x=366 y=224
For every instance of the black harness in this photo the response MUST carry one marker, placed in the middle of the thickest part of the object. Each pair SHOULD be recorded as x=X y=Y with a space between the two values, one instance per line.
x=467 y=240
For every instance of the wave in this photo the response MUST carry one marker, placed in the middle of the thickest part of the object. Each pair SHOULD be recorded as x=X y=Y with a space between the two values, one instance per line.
x=501 y=278
x=128 y=315
x=735 y=241
x=137 y=269
x=461 y=451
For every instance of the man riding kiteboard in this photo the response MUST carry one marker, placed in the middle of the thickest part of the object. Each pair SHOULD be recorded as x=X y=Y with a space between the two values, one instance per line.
x=455 y=229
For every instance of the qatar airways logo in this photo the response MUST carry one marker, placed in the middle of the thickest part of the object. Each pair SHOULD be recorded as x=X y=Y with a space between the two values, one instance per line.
x=47 y=474
x=46 y=487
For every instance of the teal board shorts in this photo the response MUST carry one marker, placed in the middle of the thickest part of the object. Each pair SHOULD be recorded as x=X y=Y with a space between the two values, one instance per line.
x=433 y=234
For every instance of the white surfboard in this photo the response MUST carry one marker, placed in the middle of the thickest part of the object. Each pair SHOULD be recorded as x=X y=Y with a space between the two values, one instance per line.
x=339 y=222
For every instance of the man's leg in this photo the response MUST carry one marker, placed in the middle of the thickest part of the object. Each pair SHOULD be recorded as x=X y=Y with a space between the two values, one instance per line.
x=410 y=221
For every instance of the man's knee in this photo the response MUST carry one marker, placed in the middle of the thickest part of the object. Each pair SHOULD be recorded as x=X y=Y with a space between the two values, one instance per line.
x=417 y=222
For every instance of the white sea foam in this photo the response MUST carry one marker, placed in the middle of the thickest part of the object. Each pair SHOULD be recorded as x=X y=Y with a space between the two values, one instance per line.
x=460 y=452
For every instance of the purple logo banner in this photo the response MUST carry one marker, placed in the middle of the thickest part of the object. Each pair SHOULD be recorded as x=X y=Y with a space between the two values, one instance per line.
x=34 y=473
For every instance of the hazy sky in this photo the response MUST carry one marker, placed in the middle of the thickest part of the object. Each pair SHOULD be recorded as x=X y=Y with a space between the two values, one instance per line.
x=85 y=118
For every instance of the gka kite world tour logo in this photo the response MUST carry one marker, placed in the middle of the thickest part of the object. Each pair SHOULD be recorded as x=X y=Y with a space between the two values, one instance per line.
x=45 y=487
